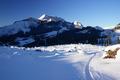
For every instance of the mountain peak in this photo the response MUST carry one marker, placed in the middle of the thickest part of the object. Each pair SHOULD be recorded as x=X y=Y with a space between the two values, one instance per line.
x=78 y=24
x=48 y=18
x=42 y=17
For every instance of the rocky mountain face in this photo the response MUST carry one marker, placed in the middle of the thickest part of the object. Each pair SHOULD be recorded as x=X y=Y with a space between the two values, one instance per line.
x=48 y=30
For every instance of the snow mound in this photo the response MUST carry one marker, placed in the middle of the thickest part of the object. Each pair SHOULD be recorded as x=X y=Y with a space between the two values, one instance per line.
x=112 y=47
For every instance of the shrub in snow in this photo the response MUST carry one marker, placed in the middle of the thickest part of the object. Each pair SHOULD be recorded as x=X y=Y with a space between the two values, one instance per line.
x=111 y=54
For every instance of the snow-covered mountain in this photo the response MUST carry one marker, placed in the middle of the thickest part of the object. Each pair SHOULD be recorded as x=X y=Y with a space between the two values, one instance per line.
x=23 y=25
x=49 y=30
x=27 y=25
x=33 y=27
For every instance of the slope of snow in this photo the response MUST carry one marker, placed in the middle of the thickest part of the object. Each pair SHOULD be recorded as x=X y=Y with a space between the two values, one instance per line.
x=107 y=32
x=84 y=31
x=63 y=29
x=62 y=62
x=99 y=28
x=51 y=34
x=112 y=35
x=23 y=25
x=117 y=32
x=24 y=41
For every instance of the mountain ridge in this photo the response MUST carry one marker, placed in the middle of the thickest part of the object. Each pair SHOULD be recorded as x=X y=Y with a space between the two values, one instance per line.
x=49 y=30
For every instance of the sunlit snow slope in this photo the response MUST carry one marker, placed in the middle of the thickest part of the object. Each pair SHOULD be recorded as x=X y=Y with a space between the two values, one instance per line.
x=64 y=62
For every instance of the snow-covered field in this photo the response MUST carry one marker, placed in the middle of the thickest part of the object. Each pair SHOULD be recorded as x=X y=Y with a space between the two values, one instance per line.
x=63 y=62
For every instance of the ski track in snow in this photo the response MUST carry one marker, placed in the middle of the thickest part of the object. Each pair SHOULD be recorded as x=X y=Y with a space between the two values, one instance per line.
x=88 y=73
x=93 y=75
x=60 y=60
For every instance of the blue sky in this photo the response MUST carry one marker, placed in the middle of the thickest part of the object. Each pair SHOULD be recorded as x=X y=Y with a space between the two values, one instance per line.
x=105 y=13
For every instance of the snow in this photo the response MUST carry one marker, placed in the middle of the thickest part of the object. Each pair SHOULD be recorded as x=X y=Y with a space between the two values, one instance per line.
x=42 y=17
x=23 y=25
x=83 y=31
x=117 y=32
x=60 y=62
x=51 y=34
x=112 y=48
x=112 y=35
x=24 y=41
x=78 y=24
x=63 y=29
x=107 y=32
x=99 y=28
x=47 y=18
